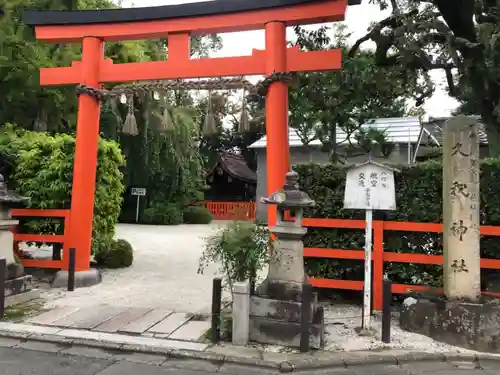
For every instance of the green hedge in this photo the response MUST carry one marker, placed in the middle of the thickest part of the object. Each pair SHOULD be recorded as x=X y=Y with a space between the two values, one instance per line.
x=418 y=199
x=40 y=166
x=197 y=215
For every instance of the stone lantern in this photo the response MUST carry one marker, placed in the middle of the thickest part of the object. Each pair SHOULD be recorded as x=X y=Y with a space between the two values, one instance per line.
x=8 y=200
x=286 y=268
x=276 y=309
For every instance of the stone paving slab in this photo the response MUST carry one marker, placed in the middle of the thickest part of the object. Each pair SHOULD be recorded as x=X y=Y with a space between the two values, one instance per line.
x=122 y=320
x=77 y=316
x=191 y=331
x=160 y=323
x=28 y=329
x=99 y=317
x=49 y=317
x=146 y=321
x=170 y=324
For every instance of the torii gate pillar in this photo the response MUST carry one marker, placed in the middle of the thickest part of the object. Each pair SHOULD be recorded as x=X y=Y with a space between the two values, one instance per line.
x=86 y=145
x=277 y=148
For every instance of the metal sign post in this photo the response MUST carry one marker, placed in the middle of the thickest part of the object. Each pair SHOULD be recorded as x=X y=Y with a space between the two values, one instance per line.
x=369 y=186
x=368 y=270
x=138 y=192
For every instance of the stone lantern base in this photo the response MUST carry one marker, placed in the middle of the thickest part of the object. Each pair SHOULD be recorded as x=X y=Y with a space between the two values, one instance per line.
x=18 y=286
x=474 y=326
x=277 y=322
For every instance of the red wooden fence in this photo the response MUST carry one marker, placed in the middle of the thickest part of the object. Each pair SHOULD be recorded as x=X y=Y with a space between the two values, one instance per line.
x=232 y=210
x=380 y=256
x=56 y=238
x=246 y=211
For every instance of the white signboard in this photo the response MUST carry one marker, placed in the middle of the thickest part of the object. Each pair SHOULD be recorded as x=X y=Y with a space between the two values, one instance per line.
x=370 y=186
x=139 y=191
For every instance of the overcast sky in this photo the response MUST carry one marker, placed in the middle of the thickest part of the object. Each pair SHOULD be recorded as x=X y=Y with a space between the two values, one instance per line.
x=358 y=19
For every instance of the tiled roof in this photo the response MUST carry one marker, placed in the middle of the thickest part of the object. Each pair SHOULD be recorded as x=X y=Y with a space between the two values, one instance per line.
x=236 y=166
x=435 y=127
x=397 y=130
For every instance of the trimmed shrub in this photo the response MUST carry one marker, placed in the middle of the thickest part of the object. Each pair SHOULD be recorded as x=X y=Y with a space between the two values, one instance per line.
x=40 y=166
x=160 y=213
x=119 y=255
x=197 y=215
x=418 y=199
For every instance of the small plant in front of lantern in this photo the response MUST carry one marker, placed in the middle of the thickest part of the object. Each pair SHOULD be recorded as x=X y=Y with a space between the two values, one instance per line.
x=240 y=251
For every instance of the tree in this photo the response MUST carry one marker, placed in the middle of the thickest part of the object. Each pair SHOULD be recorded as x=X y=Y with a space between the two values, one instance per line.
x=227 y=108
x=168 y=164
x=460 y=38
x=22 y=100
x=321 y=102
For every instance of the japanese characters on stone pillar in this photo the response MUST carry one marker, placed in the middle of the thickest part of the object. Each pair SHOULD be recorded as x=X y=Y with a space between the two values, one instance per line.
x=461 y=266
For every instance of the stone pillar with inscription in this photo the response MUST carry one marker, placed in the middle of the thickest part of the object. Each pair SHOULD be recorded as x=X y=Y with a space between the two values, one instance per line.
x=461 y=266
x=461 y=317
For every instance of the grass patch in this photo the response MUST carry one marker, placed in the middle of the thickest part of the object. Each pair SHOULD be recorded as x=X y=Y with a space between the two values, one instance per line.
x=19 y=312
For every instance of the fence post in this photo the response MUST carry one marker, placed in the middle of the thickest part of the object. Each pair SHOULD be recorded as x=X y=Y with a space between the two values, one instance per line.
x=216 y=308
x=305 y=317
x=386 y=311
x=3 y=278
x=378 y=264
x=66 y=243
x=71 y=269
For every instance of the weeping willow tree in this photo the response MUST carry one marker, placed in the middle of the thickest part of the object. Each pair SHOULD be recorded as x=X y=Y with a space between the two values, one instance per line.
x=162 y=155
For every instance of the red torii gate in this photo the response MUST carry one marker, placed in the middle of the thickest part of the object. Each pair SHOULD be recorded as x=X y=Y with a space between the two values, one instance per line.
x=93 y=28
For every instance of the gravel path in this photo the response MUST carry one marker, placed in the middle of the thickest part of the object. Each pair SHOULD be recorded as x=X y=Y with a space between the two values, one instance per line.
x=164 y=272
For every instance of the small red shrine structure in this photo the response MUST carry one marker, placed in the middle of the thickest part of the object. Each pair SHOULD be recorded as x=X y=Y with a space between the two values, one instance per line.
x=177 y=23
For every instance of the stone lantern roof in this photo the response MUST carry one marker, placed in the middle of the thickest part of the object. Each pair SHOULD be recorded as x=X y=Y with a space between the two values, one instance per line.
x=290 y=196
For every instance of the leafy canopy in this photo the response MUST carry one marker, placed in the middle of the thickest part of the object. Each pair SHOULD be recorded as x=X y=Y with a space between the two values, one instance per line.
x=322 y=102
x=460 y=38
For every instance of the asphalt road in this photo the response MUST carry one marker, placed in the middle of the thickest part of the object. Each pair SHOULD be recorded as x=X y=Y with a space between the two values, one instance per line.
x=20 y=361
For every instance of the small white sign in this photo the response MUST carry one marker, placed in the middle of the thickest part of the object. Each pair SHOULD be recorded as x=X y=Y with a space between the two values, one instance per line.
x=370 y=186
x=139 y=191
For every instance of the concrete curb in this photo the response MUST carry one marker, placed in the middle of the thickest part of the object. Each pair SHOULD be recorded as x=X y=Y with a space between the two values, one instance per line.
x=310 y=361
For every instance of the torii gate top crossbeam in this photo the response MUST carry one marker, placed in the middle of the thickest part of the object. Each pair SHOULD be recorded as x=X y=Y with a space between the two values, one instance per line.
x=195 y=18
